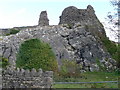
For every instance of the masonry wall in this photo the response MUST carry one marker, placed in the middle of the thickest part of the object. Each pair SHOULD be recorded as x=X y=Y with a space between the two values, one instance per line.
x=20 y=78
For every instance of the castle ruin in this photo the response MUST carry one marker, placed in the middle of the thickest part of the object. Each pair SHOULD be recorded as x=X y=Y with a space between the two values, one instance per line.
x=78 y=43
x=72 y=15
x=43 y=20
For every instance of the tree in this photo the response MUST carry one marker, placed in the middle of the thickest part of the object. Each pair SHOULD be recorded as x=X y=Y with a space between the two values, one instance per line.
x=113 y=19
x=114 y=25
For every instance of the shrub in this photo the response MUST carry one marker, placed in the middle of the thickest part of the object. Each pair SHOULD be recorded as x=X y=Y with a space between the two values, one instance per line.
x=3 y=62
x=36 y=54
x=12 y=31
x=114 y=50
x=69 y=68
x=111 y=47
x=70 y=26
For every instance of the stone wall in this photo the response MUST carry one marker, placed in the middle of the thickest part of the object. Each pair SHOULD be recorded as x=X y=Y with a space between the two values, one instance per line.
x=21 y=78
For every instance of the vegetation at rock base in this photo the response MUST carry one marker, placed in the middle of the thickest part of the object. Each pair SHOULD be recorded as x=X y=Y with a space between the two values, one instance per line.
x=113 y=48
x=3 y=62
x=69 y=26
x=36 y=54
x=110 y=46
x=69 y=68
x=13 y=31
x=101 y=68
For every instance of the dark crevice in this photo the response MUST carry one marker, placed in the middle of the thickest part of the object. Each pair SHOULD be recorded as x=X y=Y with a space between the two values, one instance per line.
x=73 y=48
x=64 y=36
x=89 y=47
x=68 y=42
x=80 y=56
x=3 y=49
x=10 y=53
x=15 y=46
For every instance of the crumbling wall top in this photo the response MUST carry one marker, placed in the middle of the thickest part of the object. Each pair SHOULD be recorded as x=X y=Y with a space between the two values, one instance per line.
x=72 y=15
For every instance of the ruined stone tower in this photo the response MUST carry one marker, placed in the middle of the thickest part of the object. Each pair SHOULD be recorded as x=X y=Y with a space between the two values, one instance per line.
x=43 y=20
x=71 y=15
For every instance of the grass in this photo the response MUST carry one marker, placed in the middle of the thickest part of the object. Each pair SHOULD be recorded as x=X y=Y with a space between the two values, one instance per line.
x=98 y=85
x=101 y=76
x=88 y=77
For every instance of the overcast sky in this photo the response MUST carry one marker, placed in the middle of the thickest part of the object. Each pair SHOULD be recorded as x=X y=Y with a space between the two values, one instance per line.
x=15 y=13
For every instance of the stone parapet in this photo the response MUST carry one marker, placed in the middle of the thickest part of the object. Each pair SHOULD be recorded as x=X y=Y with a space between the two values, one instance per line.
x=20 y=78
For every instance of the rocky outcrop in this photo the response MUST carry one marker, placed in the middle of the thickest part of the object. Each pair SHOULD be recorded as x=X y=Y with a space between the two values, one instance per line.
x=43 y=20
x=20 y=78
x=73 y=44
x=72 y=15
x=4 y=32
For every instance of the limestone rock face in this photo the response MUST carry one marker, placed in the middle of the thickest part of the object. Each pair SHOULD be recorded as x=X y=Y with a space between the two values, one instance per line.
x=71 y=44
x=80 y=43
x=43 y=20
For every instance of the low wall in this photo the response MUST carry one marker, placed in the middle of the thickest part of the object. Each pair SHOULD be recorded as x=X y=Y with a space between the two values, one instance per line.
x=20 y=78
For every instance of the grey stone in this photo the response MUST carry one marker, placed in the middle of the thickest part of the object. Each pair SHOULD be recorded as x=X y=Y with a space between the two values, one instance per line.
x=22 y=72
x=94 y=67
x=77 y=43
x=13 y=80
x=7 y=52
x=33 y=72
x=43 y=20
x=48 y=73
x=40 y=72
x=27 y=73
